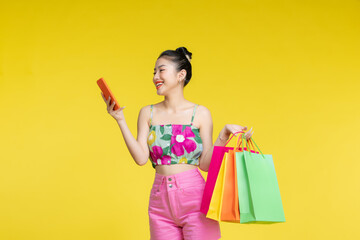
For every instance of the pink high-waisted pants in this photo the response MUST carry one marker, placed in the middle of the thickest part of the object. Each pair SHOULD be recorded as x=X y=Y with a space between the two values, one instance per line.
x=174 y=208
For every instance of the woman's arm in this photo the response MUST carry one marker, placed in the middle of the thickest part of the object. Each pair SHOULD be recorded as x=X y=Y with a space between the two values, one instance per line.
x=137 y=147
x=206 y=132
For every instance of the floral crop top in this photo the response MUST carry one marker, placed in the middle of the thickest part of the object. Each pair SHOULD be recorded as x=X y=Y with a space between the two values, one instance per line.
x=174 y=143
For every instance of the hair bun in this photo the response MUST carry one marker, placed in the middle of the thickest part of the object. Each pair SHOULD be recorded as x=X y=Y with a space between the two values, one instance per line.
x=184 y=51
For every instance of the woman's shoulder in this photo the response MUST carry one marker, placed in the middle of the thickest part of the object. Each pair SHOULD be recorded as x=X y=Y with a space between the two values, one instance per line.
x=202 y=116
x=147 y=108
x=154 y=105
x=201 y=109
x=149 y=105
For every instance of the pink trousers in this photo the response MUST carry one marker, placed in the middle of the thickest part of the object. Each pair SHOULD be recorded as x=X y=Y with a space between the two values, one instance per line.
x=174 y=208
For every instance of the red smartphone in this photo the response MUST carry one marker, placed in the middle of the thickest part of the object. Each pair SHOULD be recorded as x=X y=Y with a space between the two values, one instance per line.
x=107 y=92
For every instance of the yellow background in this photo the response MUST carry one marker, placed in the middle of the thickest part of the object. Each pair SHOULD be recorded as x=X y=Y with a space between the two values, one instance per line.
x=289 y=69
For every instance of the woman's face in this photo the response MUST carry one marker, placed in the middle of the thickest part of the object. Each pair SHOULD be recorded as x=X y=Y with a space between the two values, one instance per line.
x=166 y=78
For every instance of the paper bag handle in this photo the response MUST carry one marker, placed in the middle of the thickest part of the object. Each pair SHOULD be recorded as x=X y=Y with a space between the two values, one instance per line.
x=233 y=134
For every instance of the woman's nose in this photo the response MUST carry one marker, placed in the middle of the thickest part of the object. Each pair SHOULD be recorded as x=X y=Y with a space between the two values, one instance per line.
x=156 y=77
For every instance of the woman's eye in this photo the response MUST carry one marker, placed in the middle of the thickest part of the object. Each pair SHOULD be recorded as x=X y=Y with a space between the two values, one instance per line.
x=160 y=71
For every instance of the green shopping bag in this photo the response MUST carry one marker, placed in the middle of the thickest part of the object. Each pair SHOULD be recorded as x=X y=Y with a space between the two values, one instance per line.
x=245 y=205
x=259 y=194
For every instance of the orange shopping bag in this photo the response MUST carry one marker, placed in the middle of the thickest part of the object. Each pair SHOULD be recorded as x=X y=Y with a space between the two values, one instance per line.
x=230 y=211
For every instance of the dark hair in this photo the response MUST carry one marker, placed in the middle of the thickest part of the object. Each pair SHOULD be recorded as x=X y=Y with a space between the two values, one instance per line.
x=179 y=58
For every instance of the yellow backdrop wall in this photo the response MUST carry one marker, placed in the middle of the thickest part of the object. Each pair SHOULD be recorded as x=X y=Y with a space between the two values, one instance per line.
x=289 y=69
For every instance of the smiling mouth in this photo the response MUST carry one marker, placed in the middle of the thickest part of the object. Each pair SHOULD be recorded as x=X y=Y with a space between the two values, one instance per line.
x=158 y=84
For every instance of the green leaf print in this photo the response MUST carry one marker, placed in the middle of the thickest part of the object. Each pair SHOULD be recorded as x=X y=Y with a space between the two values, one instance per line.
x=190 y=161
x=174 y=162
x=166 y=137
x=166 y=151
x=162 y=129
x=198 y=139
x=183 y=127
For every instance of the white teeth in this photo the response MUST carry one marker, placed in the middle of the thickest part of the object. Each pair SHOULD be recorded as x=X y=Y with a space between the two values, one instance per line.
x=159 y=84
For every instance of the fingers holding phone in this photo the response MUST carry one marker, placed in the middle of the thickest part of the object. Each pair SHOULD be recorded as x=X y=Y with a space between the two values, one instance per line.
x=112 y=106
x=118 y=114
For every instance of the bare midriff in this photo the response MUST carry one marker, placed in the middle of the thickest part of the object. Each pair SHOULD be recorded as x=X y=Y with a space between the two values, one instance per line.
x=173 y=169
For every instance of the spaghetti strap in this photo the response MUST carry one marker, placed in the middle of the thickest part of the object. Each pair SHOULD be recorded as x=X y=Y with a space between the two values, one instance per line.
x=151 y=113
x=192 y=119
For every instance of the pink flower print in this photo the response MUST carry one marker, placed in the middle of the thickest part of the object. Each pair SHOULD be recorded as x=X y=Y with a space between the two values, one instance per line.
x=181 y=140
x=156 y=156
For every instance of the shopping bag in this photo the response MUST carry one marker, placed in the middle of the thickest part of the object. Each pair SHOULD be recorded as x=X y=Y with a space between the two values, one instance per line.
x=214 y=211
x=258 y=189
x=230 y=203
x=214 y=167
x=243 y=188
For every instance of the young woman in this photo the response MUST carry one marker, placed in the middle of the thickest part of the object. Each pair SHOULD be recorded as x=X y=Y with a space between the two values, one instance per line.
x=176 y=135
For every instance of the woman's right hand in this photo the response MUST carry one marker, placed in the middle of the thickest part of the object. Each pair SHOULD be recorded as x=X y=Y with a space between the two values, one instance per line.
x=118 y=114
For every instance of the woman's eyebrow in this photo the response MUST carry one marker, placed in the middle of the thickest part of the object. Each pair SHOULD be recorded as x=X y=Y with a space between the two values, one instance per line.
x=160 y=66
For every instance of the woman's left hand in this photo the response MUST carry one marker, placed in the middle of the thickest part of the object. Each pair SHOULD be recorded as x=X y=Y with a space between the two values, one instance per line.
x=233 y=128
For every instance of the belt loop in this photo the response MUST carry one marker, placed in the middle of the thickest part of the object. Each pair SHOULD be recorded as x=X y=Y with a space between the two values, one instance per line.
x=162 y=180
x=176 y=182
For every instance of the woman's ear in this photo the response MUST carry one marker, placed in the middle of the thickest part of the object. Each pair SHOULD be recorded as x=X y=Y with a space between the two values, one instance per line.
x=182 y=75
